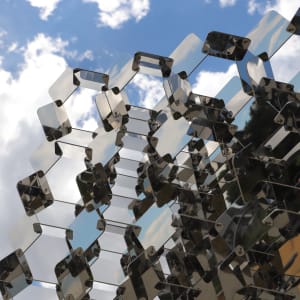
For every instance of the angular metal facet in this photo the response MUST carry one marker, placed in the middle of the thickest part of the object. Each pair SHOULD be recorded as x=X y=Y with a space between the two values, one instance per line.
x=35 y=193
x=74 y=276
x=152 y=64
x=54 y=120
x=15 y=274
x=111 y=105
x=294 y=25
x=226 y=45
x=94 y=187
x=90 y=79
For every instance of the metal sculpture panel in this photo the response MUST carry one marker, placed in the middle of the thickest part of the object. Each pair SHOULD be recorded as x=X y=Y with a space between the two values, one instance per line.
x=183 y=201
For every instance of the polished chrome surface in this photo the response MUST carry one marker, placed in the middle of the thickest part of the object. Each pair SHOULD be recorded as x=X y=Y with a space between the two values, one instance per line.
x=196 y=198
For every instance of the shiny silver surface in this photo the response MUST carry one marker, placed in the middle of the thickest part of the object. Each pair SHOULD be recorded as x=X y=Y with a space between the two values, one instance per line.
x=194 y=199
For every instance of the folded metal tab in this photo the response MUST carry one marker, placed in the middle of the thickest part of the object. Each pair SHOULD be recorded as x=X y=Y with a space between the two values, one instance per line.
x=73 y=269
x=152 y=64
x=90 y=79
x=63 y=87
x=112 y=108
x=225 y=45
x=294 y=26
x=35 y=193
x=15 y=274
x=54 y=120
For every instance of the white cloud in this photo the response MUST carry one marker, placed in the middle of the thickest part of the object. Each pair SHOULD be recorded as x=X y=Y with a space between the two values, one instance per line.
x=284 y=7
x=46 y=7
x=150 y=90
x=75 y=55
x=21 y=95
x=225 y=3
x=20 y=130
x=39 y=70
x=86 y=55
x=114 y=13
x=254 y=6
x=210 y=83
x=13 y=47
x=2 y=33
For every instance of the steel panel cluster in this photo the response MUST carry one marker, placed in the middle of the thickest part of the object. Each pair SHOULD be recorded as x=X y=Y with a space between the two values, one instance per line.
x=196 y=198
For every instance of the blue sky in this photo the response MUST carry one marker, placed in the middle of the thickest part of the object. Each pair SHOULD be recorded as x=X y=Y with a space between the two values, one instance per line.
x=156 y=26
x=39 y=38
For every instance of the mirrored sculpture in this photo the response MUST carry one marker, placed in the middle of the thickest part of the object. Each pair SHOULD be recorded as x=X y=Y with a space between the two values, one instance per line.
x=187 y=200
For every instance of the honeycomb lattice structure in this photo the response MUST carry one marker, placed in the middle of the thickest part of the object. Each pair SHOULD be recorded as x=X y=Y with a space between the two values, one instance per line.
x=188 y=200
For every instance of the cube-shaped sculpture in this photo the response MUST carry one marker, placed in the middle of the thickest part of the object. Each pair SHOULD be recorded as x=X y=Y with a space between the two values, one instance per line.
x=15 y=274
x=54 y=120
x=74 y=276
x=35 y=193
